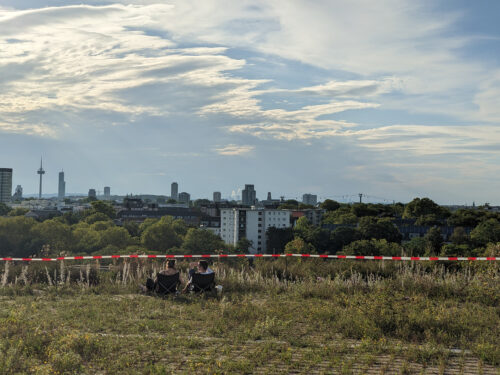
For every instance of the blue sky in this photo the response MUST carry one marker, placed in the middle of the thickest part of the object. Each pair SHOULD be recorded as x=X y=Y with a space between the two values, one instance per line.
x=393 y=99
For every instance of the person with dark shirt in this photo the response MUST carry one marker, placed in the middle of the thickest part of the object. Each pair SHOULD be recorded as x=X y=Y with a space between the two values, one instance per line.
x=200 y=267
x=170 y=270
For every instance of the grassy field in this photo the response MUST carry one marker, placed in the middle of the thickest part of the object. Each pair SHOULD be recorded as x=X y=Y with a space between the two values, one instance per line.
x=307 y=316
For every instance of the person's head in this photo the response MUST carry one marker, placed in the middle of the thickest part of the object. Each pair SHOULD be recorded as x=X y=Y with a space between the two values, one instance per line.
x=171 y=263
x=202 y=265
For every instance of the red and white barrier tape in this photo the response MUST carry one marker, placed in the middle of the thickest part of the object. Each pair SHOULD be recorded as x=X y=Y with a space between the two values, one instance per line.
x=356 y=257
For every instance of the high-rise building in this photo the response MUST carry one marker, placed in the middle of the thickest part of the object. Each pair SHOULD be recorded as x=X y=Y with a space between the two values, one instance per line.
x=252 y=224
x=174 y=191
x=310 y=199
x=18 y=195
x=217 y=196
x=41 y=172
x=92 y=193
x=5 y=185
x=61 y=192
x=248 y=195
x=107 y=193
x=184 y=197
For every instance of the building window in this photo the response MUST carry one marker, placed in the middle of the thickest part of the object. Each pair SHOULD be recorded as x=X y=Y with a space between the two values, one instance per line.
x=260 y=236
x=260 y=231
x=260 y=225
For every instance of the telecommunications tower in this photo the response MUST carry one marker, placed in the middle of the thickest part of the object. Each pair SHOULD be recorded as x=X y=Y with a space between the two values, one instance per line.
x=41 y=172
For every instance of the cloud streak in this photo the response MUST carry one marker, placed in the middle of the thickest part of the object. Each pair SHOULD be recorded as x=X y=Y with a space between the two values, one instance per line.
x=195 y=82
x=234 y=150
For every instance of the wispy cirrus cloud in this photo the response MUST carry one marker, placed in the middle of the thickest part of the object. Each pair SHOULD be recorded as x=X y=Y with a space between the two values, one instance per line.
x=302 y=124
x=431 y=140
x=234 y=150
x=362 y=82
x=81 y=58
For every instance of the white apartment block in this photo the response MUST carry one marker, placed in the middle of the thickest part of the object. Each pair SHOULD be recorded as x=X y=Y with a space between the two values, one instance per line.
x=251 y=224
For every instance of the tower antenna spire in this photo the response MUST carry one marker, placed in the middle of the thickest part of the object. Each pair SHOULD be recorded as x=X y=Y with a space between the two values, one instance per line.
x=41 y=172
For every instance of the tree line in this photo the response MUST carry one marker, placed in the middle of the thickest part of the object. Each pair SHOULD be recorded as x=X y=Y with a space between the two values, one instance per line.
x=368 y=229
x=93 y=231
x=365 y=229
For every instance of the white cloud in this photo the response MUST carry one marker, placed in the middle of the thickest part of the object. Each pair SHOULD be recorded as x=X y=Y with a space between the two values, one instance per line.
x=41 y=129
x=82 y=57
x=431 y=140
x=157 y=69
x=487 y=98
x=95 y=58
x=348 y=88
x=301 y=124
x=234 y=150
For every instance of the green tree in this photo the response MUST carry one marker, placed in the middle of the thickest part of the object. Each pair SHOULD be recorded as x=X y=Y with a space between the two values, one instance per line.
x=86 y=240
x=114 y=236
x=277 y=238
x=163 y=234
x=425 y=206
x=303 y=227
x=330 y=205
x=16 y=236
x=19 y=211
x=95 y=217
x=70 y=218
x=342 y=237
x=298 y=245
x=486 y=232
x=243 y=245
x=132 y=227
x=104 y=208
x=4 y=209
x=202 y=241
x=53 y=233
x=362 y=209
x=373 y=247
x=434 y=241
x=459 y=236
x=343 y=215
x=289 y=204
x=466 y=218
x=180 y=227
x=146 y=224
x=428 y=220
x=370 y=228
x=317 y=237
x=462 y=250
x=416 y=247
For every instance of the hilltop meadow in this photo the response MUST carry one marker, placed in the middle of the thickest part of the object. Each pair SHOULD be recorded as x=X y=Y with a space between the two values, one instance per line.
x=275 y=316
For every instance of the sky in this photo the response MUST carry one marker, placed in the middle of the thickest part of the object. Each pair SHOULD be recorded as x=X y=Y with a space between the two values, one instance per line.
x=394 y=99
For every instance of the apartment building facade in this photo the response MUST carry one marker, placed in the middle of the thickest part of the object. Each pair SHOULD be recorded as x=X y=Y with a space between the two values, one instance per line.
x=252 y=224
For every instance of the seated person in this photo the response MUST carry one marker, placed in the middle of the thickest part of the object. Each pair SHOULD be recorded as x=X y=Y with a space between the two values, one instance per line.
x=170 y=270
x=202 y=268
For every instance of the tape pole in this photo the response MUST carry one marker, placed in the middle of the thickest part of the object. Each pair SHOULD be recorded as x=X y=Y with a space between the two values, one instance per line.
x=187 y=256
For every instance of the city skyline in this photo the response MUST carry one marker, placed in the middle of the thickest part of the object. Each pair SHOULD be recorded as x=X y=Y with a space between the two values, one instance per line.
x=398 y=102
x=237 y=194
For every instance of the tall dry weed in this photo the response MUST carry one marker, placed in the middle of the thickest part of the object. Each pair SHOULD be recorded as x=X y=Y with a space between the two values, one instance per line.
x=49 y=278
x=5 y=275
